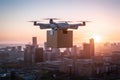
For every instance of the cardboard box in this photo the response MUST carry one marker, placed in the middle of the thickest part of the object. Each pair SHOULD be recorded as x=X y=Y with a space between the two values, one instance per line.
x=60 y=39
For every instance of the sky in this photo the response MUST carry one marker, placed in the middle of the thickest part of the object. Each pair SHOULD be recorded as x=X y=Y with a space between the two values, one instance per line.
x=15 y=14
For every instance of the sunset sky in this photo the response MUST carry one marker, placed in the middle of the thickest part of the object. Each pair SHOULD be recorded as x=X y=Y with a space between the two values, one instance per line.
x=103 y=14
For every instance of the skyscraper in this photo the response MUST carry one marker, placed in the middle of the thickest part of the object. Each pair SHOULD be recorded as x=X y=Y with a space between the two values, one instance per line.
x=92 y=48
x=34 y=41
x=28 y=51
x=32 y=52
x=38 y=55
x=88 y=49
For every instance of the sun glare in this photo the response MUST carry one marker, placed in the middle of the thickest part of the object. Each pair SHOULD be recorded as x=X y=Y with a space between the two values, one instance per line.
x=97 y=38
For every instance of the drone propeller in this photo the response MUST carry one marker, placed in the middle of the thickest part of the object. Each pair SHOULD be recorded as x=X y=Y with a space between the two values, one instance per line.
x=35 y=21
x=51 y=18
x=66 y=21
x=83 y=21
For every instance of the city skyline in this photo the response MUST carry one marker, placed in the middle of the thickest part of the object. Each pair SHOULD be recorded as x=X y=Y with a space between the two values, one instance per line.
x=103 y=14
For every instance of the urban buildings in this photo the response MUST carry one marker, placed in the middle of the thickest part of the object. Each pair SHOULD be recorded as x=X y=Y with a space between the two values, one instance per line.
x=79 y=61
x=88 y=50
x=39 y=55
x=32 y=53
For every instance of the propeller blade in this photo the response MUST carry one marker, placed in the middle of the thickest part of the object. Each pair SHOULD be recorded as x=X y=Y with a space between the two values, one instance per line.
x=50 y=18
x=83 y=21
x=65 y=21
x=35 y=21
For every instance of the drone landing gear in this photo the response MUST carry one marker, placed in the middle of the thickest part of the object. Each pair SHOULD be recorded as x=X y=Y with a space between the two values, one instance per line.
x=52 y=32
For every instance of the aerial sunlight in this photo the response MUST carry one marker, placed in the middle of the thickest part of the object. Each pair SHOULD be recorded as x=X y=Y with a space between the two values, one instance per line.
x=97 y=38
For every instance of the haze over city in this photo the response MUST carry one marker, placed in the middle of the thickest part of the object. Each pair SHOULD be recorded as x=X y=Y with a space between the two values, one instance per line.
x=103 y=14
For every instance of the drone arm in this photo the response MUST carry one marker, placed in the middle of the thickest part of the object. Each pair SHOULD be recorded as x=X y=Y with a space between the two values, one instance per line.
x=82 y=24
x=73 y=26
x=44 y=26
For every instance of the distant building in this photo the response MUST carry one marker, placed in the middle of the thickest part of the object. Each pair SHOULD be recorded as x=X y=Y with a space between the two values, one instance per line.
x=55 y=53
x=88 y=50
x=39 y=55
x=92 y=48
x=81 y=67
x=13 y=49
x=84 y=67
x=47 y=55
x=46 y=46
x=28 y=54
x=34 y=41
x=74 y=51
x=67 y=51
x=116 y=57
x=19 y=48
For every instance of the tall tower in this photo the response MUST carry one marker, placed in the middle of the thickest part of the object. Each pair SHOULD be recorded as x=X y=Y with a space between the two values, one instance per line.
x=92 y=48
x=86 y=50
x=28 y=54
x=39 y=55
x=34 y=41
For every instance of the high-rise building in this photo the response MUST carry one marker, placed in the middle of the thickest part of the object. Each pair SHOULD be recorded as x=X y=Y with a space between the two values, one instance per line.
x=74 y=50
x=13 y=49
x=39 y=55
x=92 y=48
x=32 y=53
x=88 y=49
x=19 y=48
x=46 y=46
x=34 y=41
x=28 y=54
x=55 y=53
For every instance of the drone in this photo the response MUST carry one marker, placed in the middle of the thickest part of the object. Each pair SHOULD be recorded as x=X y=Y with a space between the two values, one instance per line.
x=63 y=25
